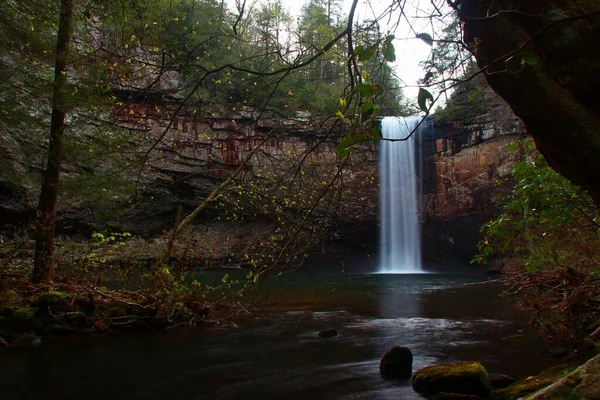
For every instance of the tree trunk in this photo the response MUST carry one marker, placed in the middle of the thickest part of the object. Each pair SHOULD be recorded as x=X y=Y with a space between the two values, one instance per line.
x=541 y=57
x=43 y=267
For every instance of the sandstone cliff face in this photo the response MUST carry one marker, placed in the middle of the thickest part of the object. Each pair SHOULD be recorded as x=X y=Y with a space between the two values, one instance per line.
x=185 y=157
x=461 y=161
x=471 y=159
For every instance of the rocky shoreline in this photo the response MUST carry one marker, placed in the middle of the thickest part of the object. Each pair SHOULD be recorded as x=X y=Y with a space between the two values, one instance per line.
x=470 y=380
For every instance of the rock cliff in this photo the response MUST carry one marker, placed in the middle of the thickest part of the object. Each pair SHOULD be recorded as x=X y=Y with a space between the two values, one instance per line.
x=470 y=158
x=462 y=159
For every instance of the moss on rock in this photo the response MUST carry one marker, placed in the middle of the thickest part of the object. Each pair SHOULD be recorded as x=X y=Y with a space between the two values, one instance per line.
x=530 y=385
x=54 y=297
x=520 y=389
x=582 y=383
x=468 y=378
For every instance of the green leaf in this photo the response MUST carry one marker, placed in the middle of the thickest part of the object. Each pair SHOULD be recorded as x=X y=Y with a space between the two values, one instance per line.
x=345 y=146
x=366 y=54
x=426 y=37
x=388 y=51
x=428 y=76
x=366 y=110
x=377 y=131
x=422 y=98
x=528 y=60
x=367 y=90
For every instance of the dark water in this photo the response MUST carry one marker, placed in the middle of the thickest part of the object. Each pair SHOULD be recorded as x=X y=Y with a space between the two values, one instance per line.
x=277 y=354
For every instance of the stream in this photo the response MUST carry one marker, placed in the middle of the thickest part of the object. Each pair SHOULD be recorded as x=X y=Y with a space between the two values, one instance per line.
x=276 y=353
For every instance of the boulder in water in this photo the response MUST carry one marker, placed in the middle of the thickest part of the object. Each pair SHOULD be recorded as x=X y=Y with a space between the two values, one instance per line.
x=327 y=333
x=460 y=378
x=396 y=363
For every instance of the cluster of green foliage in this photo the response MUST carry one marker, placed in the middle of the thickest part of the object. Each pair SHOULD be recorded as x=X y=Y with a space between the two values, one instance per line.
x=218 y=59
x=188 y=52
x=468 y=99
x=230 y=61
x=551 y=227
x=97 y=149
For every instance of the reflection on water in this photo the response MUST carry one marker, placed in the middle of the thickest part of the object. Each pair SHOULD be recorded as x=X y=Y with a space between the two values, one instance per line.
x=276 y=353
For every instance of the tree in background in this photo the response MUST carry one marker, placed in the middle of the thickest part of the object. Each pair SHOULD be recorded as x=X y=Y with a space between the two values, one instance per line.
x=449 y=58
x=43 y=265
x=130 y=68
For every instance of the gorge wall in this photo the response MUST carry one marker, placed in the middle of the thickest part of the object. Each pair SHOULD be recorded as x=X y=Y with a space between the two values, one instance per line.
x=468 y=157
x=462 y=160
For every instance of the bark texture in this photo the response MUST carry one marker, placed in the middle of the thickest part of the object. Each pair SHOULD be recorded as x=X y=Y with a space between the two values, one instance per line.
x=543 y=58
x=43 y=268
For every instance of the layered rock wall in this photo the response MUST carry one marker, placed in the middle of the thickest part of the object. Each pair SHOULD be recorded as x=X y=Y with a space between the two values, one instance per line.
x=462 y=160
x=471 y=159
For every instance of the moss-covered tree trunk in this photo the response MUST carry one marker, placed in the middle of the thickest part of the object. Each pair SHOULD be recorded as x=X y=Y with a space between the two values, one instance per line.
x=543 y=58
x=43 y=269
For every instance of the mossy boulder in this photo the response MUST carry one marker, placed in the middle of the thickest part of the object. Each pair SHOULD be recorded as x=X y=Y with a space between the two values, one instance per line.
x=531 y=384
x=53 y=302
x=396 y=363
x=51 y=298
x=460 y=378
x=20 y=318
x=583 y=383
x=521 y=388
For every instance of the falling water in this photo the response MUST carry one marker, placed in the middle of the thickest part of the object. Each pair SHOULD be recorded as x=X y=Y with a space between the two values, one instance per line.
x=400 y=241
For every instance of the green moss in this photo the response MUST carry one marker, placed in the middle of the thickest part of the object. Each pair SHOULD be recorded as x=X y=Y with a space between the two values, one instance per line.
x=23 y=314
x=520 y=389
x=18 y=318
x=9 y=298
x=119 y=310
x=50 y=298
x=463 y=378
x=531 y=385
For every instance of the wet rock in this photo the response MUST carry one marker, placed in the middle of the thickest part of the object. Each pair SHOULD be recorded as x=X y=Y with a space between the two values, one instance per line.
x=3 y=342
x=100 y=326
x=589 y=387
x=520 y=389
x=396 y=363
x=501 y=381
x=531 y=384
x=327 y=333
x=582 y=383
x=460 y=378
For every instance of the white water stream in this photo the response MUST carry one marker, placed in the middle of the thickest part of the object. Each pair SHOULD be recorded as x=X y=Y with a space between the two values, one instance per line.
x=400 y=236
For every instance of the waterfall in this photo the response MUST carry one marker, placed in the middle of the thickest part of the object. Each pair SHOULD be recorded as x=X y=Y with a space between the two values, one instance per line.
x=400 y=236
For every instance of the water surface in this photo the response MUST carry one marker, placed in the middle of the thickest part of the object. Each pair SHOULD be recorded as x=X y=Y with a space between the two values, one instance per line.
x=276 y=353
